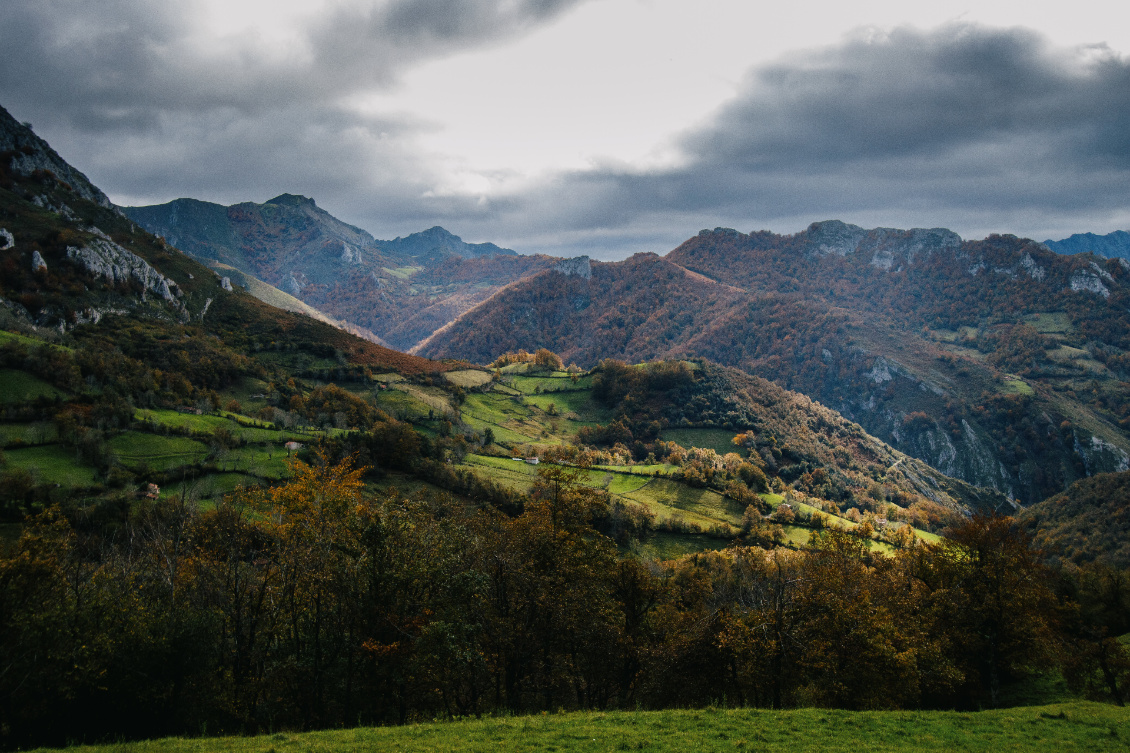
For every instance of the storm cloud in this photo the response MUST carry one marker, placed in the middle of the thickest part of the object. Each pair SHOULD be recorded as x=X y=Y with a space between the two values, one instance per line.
x=974 y=128
x=979 y=129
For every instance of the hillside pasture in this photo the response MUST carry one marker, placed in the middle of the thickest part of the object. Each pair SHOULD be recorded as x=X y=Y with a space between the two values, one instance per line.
x=136 y=450
x=52 y=463
x=19 y=386
x=719 y=440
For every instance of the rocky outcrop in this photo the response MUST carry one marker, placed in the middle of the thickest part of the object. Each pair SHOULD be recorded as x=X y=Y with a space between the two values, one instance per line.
x=31 y=153
x=37 y=262
x=578 y=266
x=7 y=240
x=1087 y=281
x=107 y=259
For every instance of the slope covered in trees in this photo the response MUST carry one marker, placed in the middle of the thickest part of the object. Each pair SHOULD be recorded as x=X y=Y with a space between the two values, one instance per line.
x=1089 y=522
x=995 y=361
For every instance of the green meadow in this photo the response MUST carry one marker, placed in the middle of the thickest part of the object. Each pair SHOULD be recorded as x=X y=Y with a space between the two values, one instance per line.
x=1058 y=728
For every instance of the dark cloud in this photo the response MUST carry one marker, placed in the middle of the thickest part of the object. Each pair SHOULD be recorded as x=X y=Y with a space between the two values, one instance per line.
x=120 y=87
x=124 y=62
x=974 y=128
x=968 y=127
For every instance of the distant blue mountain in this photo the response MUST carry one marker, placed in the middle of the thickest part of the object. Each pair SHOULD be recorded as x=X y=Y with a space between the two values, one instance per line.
x=1112 y=246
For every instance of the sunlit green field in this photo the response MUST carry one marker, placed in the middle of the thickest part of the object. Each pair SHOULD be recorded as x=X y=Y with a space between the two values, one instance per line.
x=1058 y=728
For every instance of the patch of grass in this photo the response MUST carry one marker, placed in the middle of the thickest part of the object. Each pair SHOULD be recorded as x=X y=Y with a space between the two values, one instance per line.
x=467 y=378
x=400 y=403
x=268 y=461
x=1056 y=728
x=52 y=464
x=20 y=386
x=669 y=499
x=402 y=273
x=1016 y=386
x=211 y=486
x=1050 y=323
x=719 y=440
x=135 y=449
x=37 y=432
x=31 y=342
x=662 y=545
x=528 y=385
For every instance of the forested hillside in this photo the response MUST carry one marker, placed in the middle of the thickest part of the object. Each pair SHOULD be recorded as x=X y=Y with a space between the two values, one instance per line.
x=996 y=361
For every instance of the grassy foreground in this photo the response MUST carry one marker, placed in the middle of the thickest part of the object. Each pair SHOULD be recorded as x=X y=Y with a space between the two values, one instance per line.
x=1061 y=727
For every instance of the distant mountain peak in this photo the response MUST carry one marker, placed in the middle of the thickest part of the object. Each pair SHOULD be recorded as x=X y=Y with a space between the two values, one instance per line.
x=291 y=200
x=1114 y=245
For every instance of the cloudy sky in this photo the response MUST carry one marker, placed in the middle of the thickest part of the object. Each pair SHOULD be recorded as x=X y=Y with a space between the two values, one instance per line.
x=592 y=126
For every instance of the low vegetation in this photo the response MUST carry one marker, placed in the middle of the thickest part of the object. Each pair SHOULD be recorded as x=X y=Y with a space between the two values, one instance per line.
x=1060 y=727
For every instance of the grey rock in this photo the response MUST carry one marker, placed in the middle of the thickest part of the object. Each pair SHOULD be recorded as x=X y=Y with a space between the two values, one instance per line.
x=578 y=266
x=32 y=153
x=107 y=259
x=7 y=240
x=225 y=283
x=1087 y=281
x=37 y=262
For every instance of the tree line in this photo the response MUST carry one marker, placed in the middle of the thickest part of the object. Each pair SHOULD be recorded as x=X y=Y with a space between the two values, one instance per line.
x=316 y=604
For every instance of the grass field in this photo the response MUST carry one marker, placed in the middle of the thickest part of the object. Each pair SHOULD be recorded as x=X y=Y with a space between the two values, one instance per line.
x=669 y=500
x=1058 y=728
x=36 y=432
x=18 y=386
x=159 y=453
x=52 y=463
x=719 y=440
x=1050 y=323
x=468 y=377
x=31 y=342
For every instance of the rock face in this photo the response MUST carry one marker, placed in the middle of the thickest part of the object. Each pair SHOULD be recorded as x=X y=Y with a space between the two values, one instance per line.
x=32 y=153
x=7 y=240
x=37 y=262
x=578 y=266
x=107 y=259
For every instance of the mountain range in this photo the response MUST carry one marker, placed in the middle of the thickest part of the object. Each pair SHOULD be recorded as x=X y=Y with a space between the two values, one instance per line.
x=1114 y=245
x=396 y=292
x=996 y=361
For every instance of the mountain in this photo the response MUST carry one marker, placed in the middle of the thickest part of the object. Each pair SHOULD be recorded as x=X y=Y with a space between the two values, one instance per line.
x=997 y=361
x=397 y=291
x=71 y=259
x=1090 y=522
x=1114 y=245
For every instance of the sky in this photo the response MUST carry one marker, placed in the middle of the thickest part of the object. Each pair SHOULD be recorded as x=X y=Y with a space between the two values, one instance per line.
x=600 y=127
